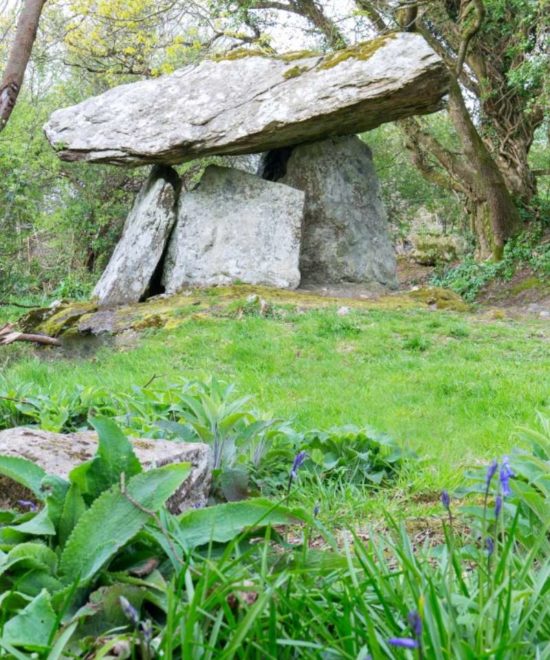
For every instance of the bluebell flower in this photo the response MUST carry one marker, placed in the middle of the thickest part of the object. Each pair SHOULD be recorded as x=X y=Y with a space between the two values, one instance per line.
x=489 y=545
x=415 y=622
x=491 y=471
x=404 y=642
x=300 y=458
x=505 y=474
x=316 y=510
x=26 y=504
x=445 y=499
x=129 y=610
x=498 y=506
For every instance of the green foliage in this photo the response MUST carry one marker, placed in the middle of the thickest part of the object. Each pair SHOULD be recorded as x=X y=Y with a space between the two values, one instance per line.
x=241 y=575
x=115 y=517
x=471 y=276
x=84 y=540
x=250 y=453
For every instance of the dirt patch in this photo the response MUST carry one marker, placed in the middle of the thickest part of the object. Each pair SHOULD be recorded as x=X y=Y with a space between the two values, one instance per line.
x=527 y=293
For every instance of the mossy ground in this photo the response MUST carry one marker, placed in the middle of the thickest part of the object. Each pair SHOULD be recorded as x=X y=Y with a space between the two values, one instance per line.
x=450 y=385
x=171 y=311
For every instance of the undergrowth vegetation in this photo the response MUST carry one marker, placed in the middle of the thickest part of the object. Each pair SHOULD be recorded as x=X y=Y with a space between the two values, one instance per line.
x=250 y=453
x=470 y=277
x=99 y=567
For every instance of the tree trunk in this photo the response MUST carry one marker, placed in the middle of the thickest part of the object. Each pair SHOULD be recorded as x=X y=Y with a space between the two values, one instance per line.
x=489 y=185
x=25 y=36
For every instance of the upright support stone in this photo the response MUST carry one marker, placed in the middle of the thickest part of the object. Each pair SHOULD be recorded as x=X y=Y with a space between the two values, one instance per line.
x=138 y=253
x=345 y=234
x=236 y=227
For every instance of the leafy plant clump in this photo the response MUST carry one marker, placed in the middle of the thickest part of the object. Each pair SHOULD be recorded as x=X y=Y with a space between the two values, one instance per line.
x=251 y=453
x=471 y=276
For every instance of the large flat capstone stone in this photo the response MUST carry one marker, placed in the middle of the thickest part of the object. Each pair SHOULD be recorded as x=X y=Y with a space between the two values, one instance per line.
x=139 y=251
x=345 y=235
x=236 y=227
x=59 y=453
x=253 y=103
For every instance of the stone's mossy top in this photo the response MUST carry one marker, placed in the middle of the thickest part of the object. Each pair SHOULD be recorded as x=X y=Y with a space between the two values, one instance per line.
x=252 y=103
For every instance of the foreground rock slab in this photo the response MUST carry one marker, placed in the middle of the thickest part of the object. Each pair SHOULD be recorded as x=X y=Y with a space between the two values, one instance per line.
x=250 y=104
x=345 y=236
x=59 y=453
x=236 y=227
x=139 y=251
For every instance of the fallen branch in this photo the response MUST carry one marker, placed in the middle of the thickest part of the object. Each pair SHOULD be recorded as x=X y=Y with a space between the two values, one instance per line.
x=8 y=335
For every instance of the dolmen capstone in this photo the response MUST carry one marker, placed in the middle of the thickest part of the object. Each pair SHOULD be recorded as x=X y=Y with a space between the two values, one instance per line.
x=308 y=208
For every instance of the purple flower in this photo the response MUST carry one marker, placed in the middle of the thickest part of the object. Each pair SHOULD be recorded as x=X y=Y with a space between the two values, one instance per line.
x=300 y=458
x=316 y=510
x=26 y=504
x=415 y=622
x=404 y=642
x=498 y=506
x=489 y=545
x=505 y=474
x=147 y=630
x=445 y=499
x=491 y=471
x=129 y=610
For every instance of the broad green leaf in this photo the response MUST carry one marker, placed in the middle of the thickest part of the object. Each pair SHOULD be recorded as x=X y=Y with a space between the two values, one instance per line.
x=31 y=583
x=226 y=521
x=115 y=455
x=55 y=489
x=39 y=525
x=24 y=472
x=113 y=520
x=33 y=626
x=30 y=556
x=73 y=507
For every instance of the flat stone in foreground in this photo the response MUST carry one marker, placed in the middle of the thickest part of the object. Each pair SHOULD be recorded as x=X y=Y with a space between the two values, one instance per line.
x=236 y=227
x=253 y=103
x=59 y=453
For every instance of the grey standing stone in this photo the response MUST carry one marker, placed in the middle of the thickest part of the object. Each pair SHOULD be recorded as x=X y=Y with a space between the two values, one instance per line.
x=253 y=103
x=139 y=251
x=345 y=235
x=236 y=227
x=58 y=454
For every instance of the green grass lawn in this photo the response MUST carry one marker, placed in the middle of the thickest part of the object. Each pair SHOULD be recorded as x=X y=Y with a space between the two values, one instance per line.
x=451 y=386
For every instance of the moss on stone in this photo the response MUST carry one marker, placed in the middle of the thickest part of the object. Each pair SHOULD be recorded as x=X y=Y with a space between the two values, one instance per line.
x=66 y=318
x=239 y=54
x=440 y=299
x=294 y=72
x=362 y=51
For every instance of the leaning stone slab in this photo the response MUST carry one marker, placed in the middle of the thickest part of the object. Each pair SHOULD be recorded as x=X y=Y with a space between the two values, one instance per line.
x=59 y=453
x=345 y=235
x=236 y=227
x=139 y=251
x=251 y=103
